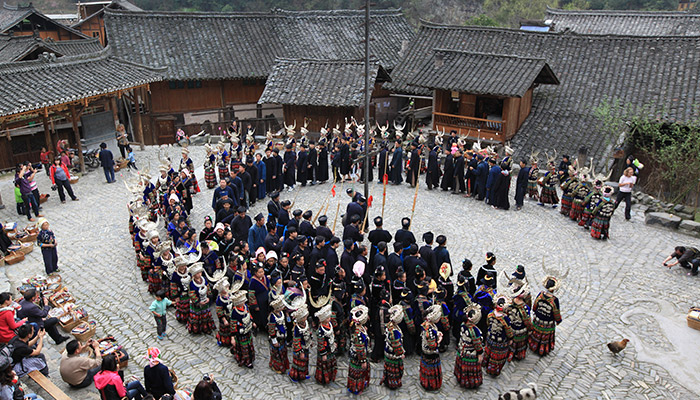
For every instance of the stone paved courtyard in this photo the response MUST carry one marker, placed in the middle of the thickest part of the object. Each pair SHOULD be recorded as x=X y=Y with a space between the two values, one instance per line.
x=613 y=289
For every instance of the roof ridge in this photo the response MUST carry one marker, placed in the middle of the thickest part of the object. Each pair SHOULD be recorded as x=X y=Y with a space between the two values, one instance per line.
x=325 y=61
x=278 y=13
x=17 y=7
x=584 y=36
x=488 y=54
x=651 y=13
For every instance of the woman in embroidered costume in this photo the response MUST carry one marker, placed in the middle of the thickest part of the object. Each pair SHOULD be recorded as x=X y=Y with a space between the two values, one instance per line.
x=258 y=295
x=548 y=194
x=326 y=367
x=545 y=318
x=223 y=307
x=149 y=261
x=499 y=337
x=209 y=167
x=589 y=203
x=532 y=180
x=338 y=318
x=359 y=372
x=277 y=334
x=301 y=343
x=603 y=211
x=200 y=320
x=408 y=324
x=242 y=328
x=579 y=194
x=158 y=275
x=470 y=349
x=567 y=189
x=180 y=290
x=519 y=314
x=393 y=349
x=430 y=367
x=186 y=163
x=223 y=160
x=148 y=235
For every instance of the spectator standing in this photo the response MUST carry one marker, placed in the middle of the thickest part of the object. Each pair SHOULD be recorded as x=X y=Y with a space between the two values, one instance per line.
x=626 y=183
x=47 y=242
x=24 y=179
x=76 y=370
x=60 y=177
x=107 y=160
x=156 y=375
x=122 y=140
x=35 y=310
x=45 y=157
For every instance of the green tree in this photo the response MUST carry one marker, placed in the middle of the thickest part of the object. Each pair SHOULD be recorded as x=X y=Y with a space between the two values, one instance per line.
x=510 y=12
x=481 y=20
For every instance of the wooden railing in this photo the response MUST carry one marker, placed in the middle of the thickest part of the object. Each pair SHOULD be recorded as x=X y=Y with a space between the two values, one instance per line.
x=469 y=126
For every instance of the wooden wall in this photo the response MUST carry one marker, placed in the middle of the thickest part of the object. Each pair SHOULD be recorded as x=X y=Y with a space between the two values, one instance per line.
x=515 y=111
x=94 y=27
x=319 y=116
x=210 y=95
x=467 y=104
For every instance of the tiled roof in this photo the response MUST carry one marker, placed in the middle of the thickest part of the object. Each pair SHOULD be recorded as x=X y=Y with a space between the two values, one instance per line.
x=480 y=73
x=625 y=22
x=12 y=15
x=245 y=45
x=337 y=83
x=32 y=85
x=15 y=48
x=658 y=72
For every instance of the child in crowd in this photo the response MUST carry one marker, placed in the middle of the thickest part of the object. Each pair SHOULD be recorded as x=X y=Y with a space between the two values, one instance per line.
x=18 y=200
x=132 y=159
x=158 y=308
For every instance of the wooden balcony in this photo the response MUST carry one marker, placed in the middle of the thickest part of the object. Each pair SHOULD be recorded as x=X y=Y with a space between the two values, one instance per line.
x=473 y=128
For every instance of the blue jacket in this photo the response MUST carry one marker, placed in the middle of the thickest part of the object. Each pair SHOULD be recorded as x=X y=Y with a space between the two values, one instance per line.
x=493 y=176
x=481 y=173
x=219 y=192
x=256 y=237
x=106 y=158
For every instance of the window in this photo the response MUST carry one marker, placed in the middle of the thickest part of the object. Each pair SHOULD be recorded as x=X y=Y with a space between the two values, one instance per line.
x=95 y=34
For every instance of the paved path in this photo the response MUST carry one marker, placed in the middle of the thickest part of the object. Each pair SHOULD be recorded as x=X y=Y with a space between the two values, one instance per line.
x=612 y=289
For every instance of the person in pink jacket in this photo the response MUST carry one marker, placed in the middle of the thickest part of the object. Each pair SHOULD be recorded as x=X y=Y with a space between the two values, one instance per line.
x=60 y=177
x=111 y=386
x=8 y=323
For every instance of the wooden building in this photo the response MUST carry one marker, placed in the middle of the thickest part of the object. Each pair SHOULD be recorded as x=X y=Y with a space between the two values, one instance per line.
x=482 y=96
x=24 y=48
x=48 y=99
x=218 y=63
x=324 y=91
x=650 y=76
x=27 y=21
x=91 y=21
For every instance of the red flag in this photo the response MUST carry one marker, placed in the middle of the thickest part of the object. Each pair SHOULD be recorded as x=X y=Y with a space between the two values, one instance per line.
x=369 y=201
x=333 y=190
x=386 y=179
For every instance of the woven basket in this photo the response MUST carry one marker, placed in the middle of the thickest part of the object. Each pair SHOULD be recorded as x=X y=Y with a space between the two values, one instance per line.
x=32 y=228
x=123 y=163
x=74 y=180
x=31 y=237
x=116 y=167
x=2 y=261
x=83 y=337
x=693 y=318
x=14 y=257
x=26 y=248
x=67 y=327
x=43 y=198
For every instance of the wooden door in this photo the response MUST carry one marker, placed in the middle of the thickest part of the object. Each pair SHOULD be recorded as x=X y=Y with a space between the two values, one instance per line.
x=166 y=131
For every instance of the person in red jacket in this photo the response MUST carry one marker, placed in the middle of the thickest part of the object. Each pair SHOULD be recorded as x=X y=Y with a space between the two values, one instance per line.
x=60 y=177
x=8 y=324
x=45 y=157
x=111 y=386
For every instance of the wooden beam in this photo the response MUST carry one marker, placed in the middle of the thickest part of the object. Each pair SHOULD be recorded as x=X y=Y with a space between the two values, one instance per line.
x=47 y=131
x=76 y=133
x=113 y=107
x=139 y=127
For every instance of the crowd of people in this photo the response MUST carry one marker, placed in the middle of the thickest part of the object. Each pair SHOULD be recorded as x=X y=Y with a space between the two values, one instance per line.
x=284 y=275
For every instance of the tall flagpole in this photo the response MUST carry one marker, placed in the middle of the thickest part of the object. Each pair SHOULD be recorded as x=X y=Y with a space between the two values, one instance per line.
x=367 y=162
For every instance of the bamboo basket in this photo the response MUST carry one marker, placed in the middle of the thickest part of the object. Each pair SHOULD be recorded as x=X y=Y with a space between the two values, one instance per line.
x=83 y=337
x=67 y=327
x=31 y=237
x=122 y=163
x=693 y=318
x=43 y=198
x=32 y=228
x=26 y=248
x=74 y=180
x=14 y=257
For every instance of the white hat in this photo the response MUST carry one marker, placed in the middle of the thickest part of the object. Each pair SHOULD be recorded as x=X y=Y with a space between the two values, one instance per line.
x=301 y=313
x=219 y=226
x=396 y=313
x=434 y=313
x=173 y=196
x=153 y=234
x=271 y=254
x=239 y=297
x=326 y=312
x=196 y=268
x=360 y=314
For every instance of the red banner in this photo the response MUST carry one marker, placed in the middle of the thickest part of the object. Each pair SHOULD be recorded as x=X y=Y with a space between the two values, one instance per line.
x=386 y=179
x=369 y=201
x=333 y=190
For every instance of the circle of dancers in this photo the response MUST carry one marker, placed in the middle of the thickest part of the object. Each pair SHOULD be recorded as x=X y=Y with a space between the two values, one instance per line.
x=281 y=276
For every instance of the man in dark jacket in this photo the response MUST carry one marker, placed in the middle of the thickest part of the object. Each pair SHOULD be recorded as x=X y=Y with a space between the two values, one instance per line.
x=347 y=259
x=491 y=180
x=107 y=160
x=290 y=160
x=312 y=164
x=428 y=255
x=472 y=164
x=270 y=171
x=252 y=171
x=394 y=261
x=459 y=173
x=432 y=174
x=352 y=230
x=354 y=208
x=322 y=167
x=378 y=234
x=38 y=315
x=396 y=168
x=448 y=177
x=383 y=164
x=414 y=165
x=279 y=163
x=322 y=229
x=240 y=226
x=302 y=165
x=332 y=255
x=222 y=190
x=482 y=173
x=403 y=235
x=521 y=184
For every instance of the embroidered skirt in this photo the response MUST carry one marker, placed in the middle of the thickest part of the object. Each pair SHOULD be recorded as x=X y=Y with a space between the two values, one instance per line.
x=243 y=351
x=358 y=377
x=532 y=190
x=210 y=177
x=299 y=369
x=279 y=362
x=182 y=308
x=393 y=372
x=566 y=201
x=599 y=227
x=468 y=370
x=542 y=336
x=223 y=172
x=430 y=371
x=326 y=370
x=200 y=320
x=549 y=195
x=495 y=356
x=585 y=217
x=155 y=282
x=520 y=343
x=223 y=335
x=576 y=210
x=144 y=265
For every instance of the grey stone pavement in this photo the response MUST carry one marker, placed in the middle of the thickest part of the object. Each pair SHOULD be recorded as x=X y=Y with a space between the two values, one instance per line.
x=612 y=289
